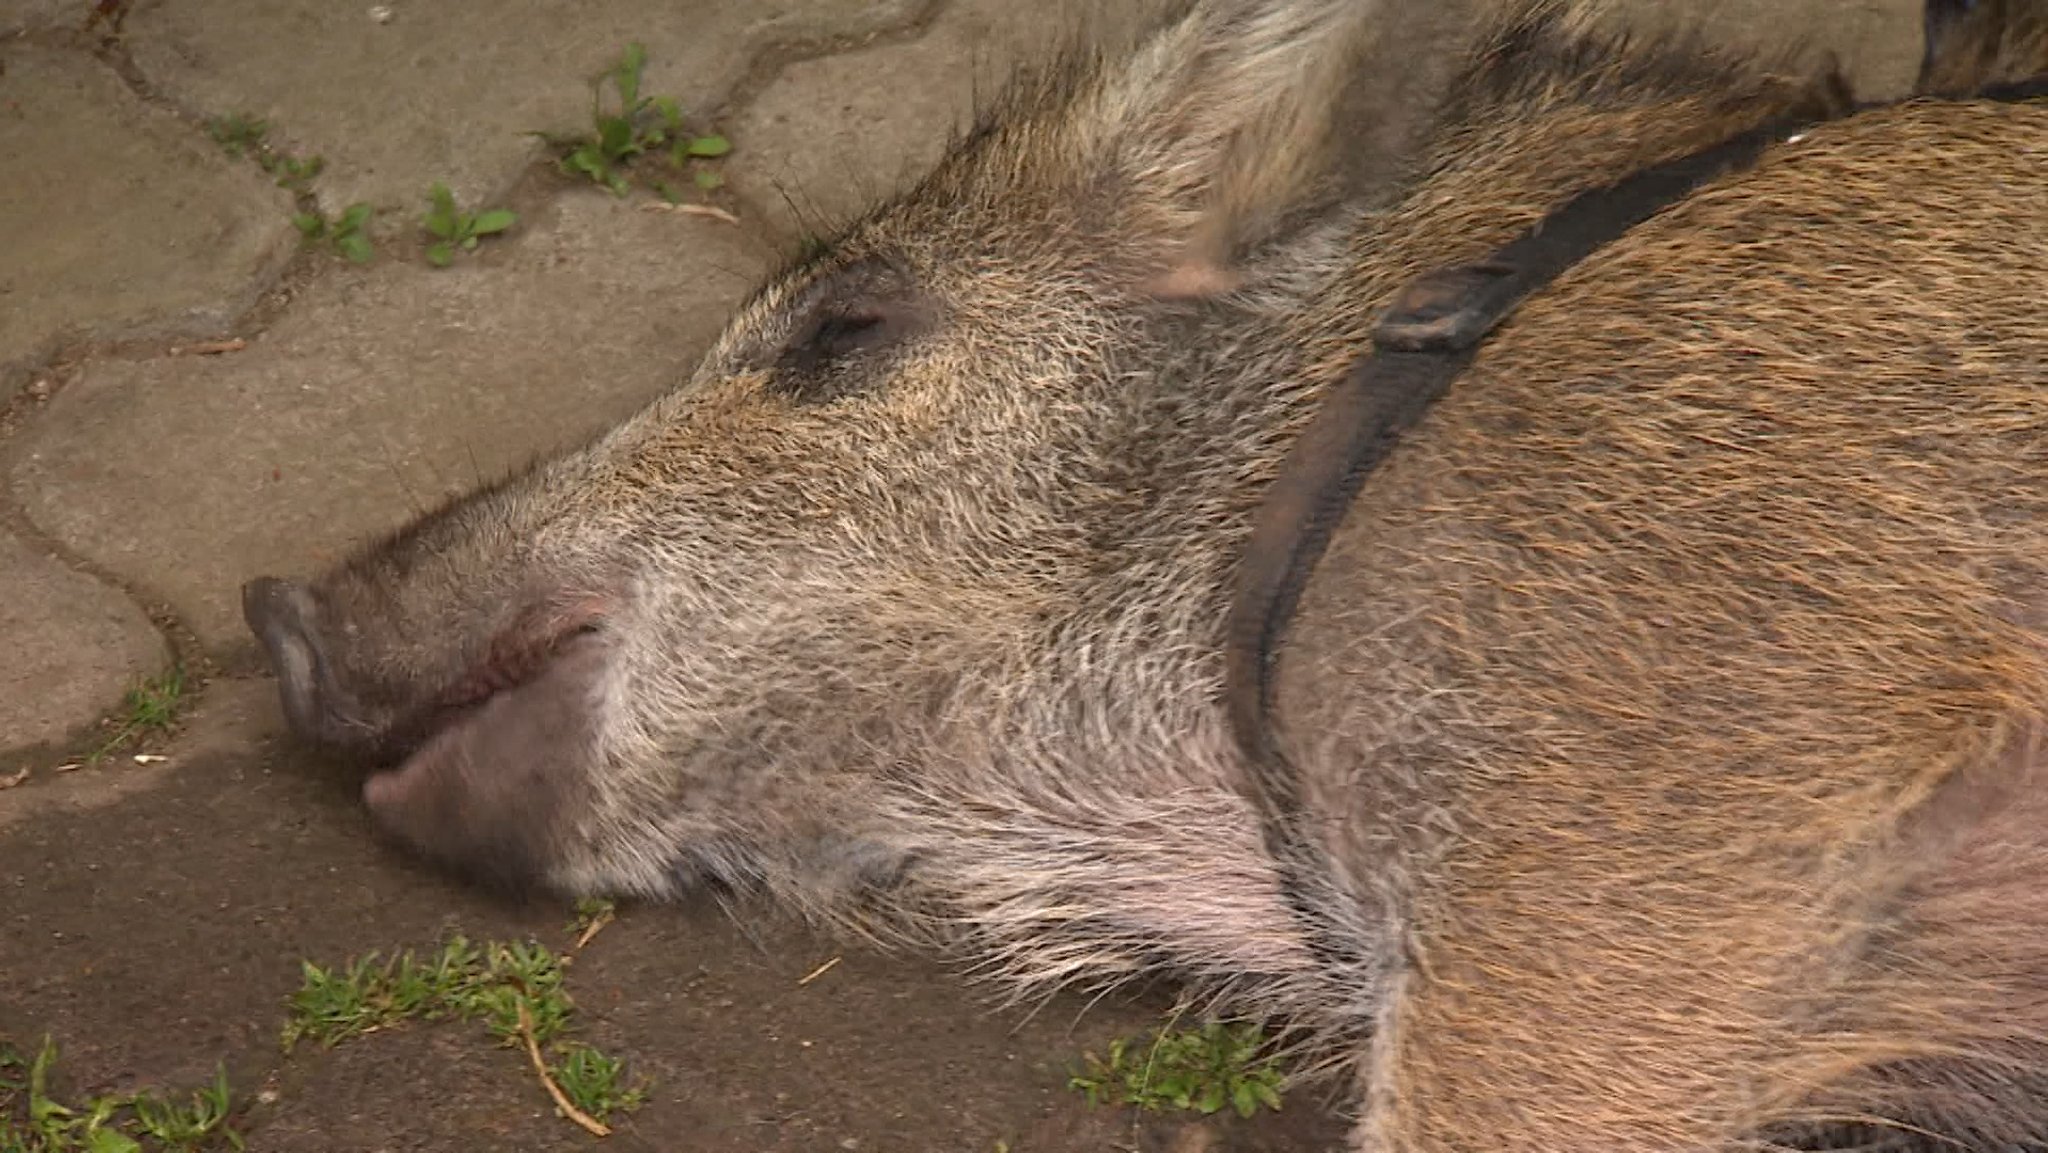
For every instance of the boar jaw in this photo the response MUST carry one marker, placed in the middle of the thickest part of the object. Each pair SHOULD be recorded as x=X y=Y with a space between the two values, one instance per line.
x=493 y=790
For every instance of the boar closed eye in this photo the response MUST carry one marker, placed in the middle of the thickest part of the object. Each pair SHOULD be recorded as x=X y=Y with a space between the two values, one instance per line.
x=859 y=311
x=833 y=336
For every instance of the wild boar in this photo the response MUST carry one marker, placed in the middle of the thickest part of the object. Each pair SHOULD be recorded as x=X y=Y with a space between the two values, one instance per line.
x=1657 y=748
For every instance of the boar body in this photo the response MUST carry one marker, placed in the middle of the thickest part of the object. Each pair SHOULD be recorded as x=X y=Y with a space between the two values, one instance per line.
x=1666 y=719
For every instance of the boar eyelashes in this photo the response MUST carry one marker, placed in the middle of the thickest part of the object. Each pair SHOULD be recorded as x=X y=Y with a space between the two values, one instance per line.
x=850 y=316
x=835 y=336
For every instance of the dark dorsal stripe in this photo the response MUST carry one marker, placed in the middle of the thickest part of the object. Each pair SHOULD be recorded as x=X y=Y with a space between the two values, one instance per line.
x=2016 y=92
x=1427 y=336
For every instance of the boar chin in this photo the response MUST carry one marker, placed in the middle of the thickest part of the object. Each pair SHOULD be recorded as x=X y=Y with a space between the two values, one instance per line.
x=488 y=776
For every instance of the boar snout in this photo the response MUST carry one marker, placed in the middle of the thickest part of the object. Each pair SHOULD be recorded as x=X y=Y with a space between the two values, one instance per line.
x=282 y=616
x=477 y=759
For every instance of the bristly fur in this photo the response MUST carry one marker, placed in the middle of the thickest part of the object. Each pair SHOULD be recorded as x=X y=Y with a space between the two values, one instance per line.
x=1670 y=704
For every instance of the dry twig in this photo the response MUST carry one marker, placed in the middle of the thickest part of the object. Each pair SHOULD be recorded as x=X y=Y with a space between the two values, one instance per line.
x=818 y=972
x=598 y=922
x=562 y=1101
x=711 y=210
x=210 y=347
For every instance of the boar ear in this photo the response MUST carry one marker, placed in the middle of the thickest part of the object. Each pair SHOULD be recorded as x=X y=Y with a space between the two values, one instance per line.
x=1222 y=120
x=1945 y=26
x=1971 y=45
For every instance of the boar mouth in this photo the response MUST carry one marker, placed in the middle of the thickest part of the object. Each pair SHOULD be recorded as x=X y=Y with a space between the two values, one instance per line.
x=322 y=708
x=482 y=773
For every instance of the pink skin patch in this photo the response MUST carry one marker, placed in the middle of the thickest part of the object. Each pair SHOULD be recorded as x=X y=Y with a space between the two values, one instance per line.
x=517 y=653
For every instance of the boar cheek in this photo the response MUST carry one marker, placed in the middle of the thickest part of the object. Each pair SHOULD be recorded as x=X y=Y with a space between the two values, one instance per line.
x=494 y=795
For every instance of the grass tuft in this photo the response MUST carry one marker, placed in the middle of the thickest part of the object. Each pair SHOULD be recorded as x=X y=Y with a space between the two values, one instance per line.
x=634 y=125
x=462 y=981
x=1220 y=1064
x=33 y=1120
x=150 y=708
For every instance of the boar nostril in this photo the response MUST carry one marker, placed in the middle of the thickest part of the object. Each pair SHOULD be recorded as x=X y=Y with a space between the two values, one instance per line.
x=269 y=606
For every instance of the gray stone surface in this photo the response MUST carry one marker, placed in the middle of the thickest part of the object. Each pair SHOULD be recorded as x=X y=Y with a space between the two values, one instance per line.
x=827 y=140
x=224 y=721
x=74 y=645
x=380 y=389
x=38 y=15
x=115 y=217
x=1877 y=41
x=446 y=91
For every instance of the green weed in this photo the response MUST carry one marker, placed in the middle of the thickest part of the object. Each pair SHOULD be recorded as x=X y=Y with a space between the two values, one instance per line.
x=592 y=914
x=453 y=228
x=332 y=1006
x=149 y=707
x=292 y=172
x=346 y=233
x=1201 y=1069
x=491 y=984
x=460 y=982
x=636 y=126
x=239 y=134
x=33 y=1121
x=186 y=1127
x=593 y=1082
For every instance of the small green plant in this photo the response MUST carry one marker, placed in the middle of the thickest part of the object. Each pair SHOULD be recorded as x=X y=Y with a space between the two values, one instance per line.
x=526 y=974
x=514 y=989
x=32 y=1121
x=186 y=1127
x=460 y=981
x=293 y=172
x=454 y=228
x=638 y=125
x=238 y=133
x=346 y=233
x=592 y=912
x=593 y=1082
x=149 y=707
x=333 y=1005
x=1201 y=1069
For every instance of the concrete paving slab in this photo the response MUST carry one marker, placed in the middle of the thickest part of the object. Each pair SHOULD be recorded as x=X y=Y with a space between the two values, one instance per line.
x=74 y=645
x=382 y=389
x=226 y=719
x=1877 y=41
x=447 y=92
x=126 y=222
x=41 y=15
x=832 y=136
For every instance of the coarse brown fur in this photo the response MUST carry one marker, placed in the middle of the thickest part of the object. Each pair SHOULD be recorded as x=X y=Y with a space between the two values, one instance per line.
x=1671 y=704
